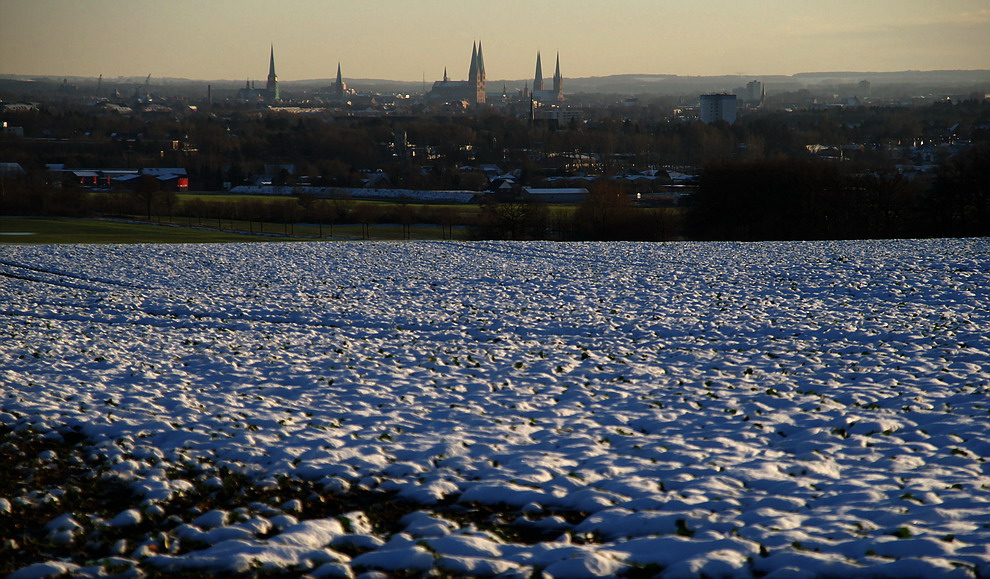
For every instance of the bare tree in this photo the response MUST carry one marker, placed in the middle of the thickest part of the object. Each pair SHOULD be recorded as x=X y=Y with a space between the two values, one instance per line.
x=147 y=189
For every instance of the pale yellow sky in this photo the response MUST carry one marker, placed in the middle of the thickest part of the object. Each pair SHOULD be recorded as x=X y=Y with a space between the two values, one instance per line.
x=410 y=40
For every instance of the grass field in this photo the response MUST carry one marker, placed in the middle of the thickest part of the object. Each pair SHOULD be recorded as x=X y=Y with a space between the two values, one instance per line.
x=27 y=230
x=21 y=230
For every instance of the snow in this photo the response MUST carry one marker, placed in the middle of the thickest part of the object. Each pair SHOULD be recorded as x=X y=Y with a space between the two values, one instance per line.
x=591 y=409
x=44 y=570
x=126 y=518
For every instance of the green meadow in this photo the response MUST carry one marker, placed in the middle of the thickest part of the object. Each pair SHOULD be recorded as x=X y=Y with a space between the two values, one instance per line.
x=37 y=231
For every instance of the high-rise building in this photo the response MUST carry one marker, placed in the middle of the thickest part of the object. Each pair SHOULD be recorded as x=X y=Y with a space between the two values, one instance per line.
x=755 y=92
x=718 y=107
x=471 y=91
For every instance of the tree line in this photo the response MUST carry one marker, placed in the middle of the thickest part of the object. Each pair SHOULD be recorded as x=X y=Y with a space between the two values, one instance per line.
x=748 y=200
x=809 y=199
x=758 y=180
x=227 y=146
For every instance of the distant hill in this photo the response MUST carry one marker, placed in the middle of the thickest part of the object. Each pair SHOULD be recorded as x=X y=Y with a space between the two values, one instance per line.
x=906 y=76
x=670 y=84
x=948 y=81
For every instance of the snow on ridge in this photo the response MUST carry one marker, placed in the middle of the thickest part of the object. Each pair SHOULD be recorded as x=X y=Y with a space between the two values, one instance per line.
x=820 y=404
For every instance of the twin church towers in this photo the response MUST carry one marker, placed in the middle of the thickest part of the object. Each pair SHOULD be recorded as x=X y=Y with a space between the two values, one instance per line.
x=552 y=95
x=471 y=91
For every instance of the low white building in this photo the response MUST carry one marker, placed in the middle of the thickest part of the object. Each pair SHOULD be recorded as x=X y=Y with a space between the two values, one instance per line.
x=555 y=194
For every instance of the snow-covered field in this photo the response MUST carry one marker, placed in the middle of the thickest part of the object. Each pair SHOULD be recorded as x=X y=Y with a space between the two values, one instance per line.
x=781 y=409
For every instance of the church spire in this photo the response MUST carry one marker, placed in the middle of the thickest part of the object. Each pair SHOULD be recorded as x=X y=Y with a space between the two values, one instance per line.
x=558 y=81
x=272 y=85
x=473 y=71
x=479 y=77
x=271 y=67
x=538 y=81
x=481 y=63
x=339 y=88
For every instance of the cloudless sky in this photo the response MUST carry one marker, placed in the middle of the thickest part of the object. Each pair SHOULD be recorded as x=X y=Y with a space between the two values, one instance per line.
x=413 y=39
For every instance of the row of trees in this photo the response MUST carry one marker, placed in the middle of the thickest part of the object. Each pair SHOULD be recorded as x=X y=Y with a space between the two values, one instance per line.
x=608 y=213
x=781 y=199
x=758 y=180
x=737 y=200
x=227 y=146
x=806 y=199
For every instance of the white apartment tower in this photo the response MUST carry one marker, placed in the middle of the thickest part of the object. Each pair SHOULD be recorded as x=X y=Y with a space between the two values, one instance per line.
x=756 y=92
x=718 y=107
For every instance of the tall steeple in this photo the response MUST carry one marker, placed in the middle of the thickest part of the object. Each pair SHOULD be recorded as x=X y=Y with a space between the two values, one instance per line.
x=479 y=80
x=470 y=91
x=476 y=75
x=272 y=85
x=339 y=88
x=473 y=71
x=538 y=81
x=481 y=63
x=558 y=82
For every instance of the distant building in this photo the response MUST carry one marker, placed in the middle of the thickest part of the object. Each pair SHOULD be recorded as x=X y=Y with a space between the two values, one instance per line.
x=272 y=85
x=339 y=90
x=863 y=88
x=718 y=107
x=471 y=91
x=8 y=131
x=555 y=195
x=562 y=115
x=542 y=95
x=17 y=107
x=11 y=170
x=270 y=93
x=339 y=93
x=755 y=93
x=170 y=179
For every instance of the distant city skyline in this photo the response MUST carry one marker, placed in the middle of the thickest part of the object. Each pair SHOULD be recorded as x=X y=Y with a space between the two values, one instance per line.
x=413 y=41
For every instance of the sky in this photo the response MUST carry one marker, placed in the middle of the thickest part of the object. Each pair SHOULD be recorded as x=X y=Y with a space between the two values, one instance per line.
x=415 y=40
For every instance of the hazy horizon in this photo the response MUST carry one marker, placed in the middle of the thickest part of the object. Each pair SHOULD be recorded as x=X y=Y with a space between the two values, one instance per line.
x=647 y=77
x=398 y=41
